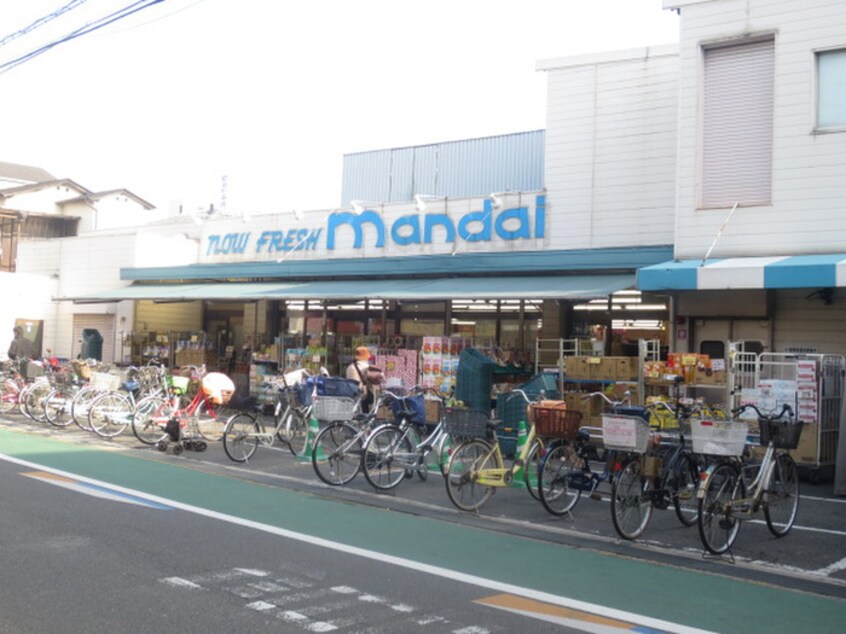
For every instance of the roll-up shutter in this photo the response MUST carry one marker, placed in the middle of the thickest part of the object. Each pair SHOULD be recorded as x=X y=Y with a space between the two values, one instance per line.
x=737 y=134
x=105 y=324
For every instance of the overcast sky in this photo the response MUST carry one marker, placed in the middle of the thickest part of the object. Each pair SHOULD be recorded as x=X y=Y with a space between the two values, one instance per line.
x=273 y=93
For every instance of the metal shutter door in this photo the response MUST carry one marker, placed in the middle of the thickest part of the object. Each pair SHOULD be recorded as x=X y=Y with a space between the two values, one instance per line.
x=737 y=128
x=105 y=324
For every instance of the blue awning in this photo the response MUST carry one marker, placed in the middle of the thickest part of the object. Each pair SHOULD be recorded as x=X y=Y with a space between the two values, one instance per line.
x=520 y=287
x=798 y=271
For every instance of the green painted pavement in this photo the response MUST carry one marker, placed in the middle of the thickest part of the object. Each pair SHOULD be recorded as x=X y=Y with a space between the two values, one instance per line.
x=697 y=599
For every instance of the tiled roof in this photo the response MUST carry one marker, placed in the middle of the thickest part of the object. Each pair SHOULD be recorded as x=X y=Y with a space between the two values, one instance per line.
x=24 y=173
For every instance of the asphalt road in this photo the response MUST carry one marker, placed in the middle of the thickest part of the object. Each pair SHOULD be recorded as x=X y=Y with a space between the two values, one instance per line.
x=133 y=566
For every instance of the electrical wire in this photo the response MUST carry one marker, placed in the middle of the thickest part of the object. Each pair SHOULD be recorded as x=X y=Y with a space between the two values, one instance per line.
x=42 y=21
x=83 y=30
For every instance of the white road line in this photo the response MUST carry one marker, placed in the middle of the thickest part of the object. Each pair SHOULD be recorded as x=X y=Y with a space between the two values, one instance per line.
x=837 y=566
x=179 y=582
x=402 y=562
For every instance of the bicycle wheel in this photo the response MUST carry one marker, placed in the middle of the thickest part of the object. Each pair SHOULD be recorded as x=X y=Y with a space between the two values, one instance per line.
x=80 y=405
x=685 y=480
x=210 y=423
x=468 y=459
x=240 y=437
x=57 y=407
x=296 y=431
x=531 y=476
x=110 y=414
x=386 y=457
x=718 y=528
x=336 y=455
x=556 y=471
x=631 y=505
x=33 y=401
x=150 y=417
x=781 y=502
x=9 y=396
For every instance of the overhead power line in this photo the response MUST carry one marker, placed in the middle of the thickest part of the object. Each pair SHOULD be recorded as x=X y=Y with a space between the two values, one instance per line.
x=128 y=10
x=41 y=21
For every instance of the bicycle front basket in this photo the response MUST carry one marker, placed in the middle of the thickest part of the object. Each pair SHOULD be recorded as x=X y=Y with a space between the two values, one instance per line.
x=465 y=423
x=625 y=433
x=784 y=434
x=553 y=422
x=334 y=408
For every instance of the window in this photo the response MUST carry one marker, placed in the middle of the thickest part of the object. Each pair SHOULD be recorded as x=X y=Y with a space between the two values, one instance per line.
x=737 y=124
x=831 y=89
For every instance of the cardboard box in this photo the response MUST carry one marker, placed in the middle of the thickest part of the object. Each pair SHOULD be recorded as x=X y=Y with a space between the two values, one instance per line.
x=708 y=376
x=626 y=369
x=433 y=411
x=806 y=452
x=577 y=368
x=605 y=369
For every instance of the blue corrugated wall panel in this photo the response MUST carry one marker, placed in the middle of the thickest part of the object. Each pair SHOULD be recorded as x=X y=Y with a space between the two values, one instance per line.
x=457 y=169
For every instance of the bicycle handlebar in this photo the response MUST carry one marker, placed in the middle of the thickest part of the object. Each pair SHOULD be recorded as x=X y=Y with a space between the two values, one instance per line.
x=785 y=409
x=626 y=399
x=517 y=391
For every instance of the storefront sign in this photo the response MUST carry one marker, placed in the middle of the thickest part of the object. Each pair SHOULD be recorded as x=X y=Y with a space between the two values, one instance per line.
x=407 y=231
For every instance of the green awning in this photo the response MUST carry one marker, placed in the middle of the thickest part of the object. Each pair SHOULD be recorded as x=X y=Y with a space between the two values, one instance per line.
x=522 y=287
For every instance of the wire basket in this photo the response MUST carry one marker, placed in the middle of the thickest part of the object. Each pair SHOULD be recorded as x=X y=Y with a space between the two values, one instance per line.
x=625 y=433
x=718 y=437
x=465 y=423
x=556 y=422
x=333 y=408
x=288 y=397
x=783 y=434
x=104 y=381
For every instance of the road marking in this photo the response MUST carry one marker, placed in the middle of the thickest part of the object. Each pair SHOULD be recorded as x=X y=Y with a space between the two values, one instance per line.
x=837 y=566
x=454 y=575
x=102 y=491
x=577 y=619
x=179 y=582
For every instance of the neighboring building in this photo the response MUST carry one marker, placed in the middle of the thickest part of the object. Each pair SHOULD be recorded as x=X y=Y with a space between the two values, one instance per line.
x=761 y=176
x=36 y=211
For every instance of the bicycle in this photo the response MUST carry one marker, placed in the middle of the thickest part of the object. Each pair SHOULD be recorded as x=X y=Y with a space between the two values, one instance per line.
x=666 y=474
x=565 y=470
x=111 y=412
x=246 y=431
x=338 y=447
x=167 y=420
x=396 y=450
x=725 y=497
x=476 y=467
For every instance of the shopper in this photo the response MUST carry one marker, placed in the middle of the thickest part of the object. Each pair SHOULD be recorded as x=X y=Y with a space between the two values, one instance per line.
x=21 y=347
x=358 y=371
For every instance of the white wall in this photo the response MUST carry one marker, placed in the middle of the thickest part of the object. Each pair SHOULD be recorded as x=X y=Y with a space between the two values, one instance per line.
x=25 y=296
x=42 y=200
x=809 y=170
x=611 y=148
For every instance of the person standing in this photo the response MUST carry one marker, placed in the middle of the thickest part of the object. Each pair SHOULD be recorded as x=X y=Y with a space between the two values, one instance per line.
x=21 y=347
x=357 y=371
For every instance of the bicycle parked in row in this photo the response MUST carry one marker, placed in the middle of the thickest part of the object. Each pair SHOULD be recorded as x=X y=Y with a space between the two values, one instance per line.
x=476 y=468
x=734 y=489
x=400 y=448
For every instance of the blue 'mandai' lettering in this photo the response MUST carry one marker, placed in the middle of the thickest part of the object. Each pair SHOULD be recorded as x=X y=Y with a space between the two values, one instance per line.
x=413 y=225
x=356 y=222
x=438 y=220
x=483 y=217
